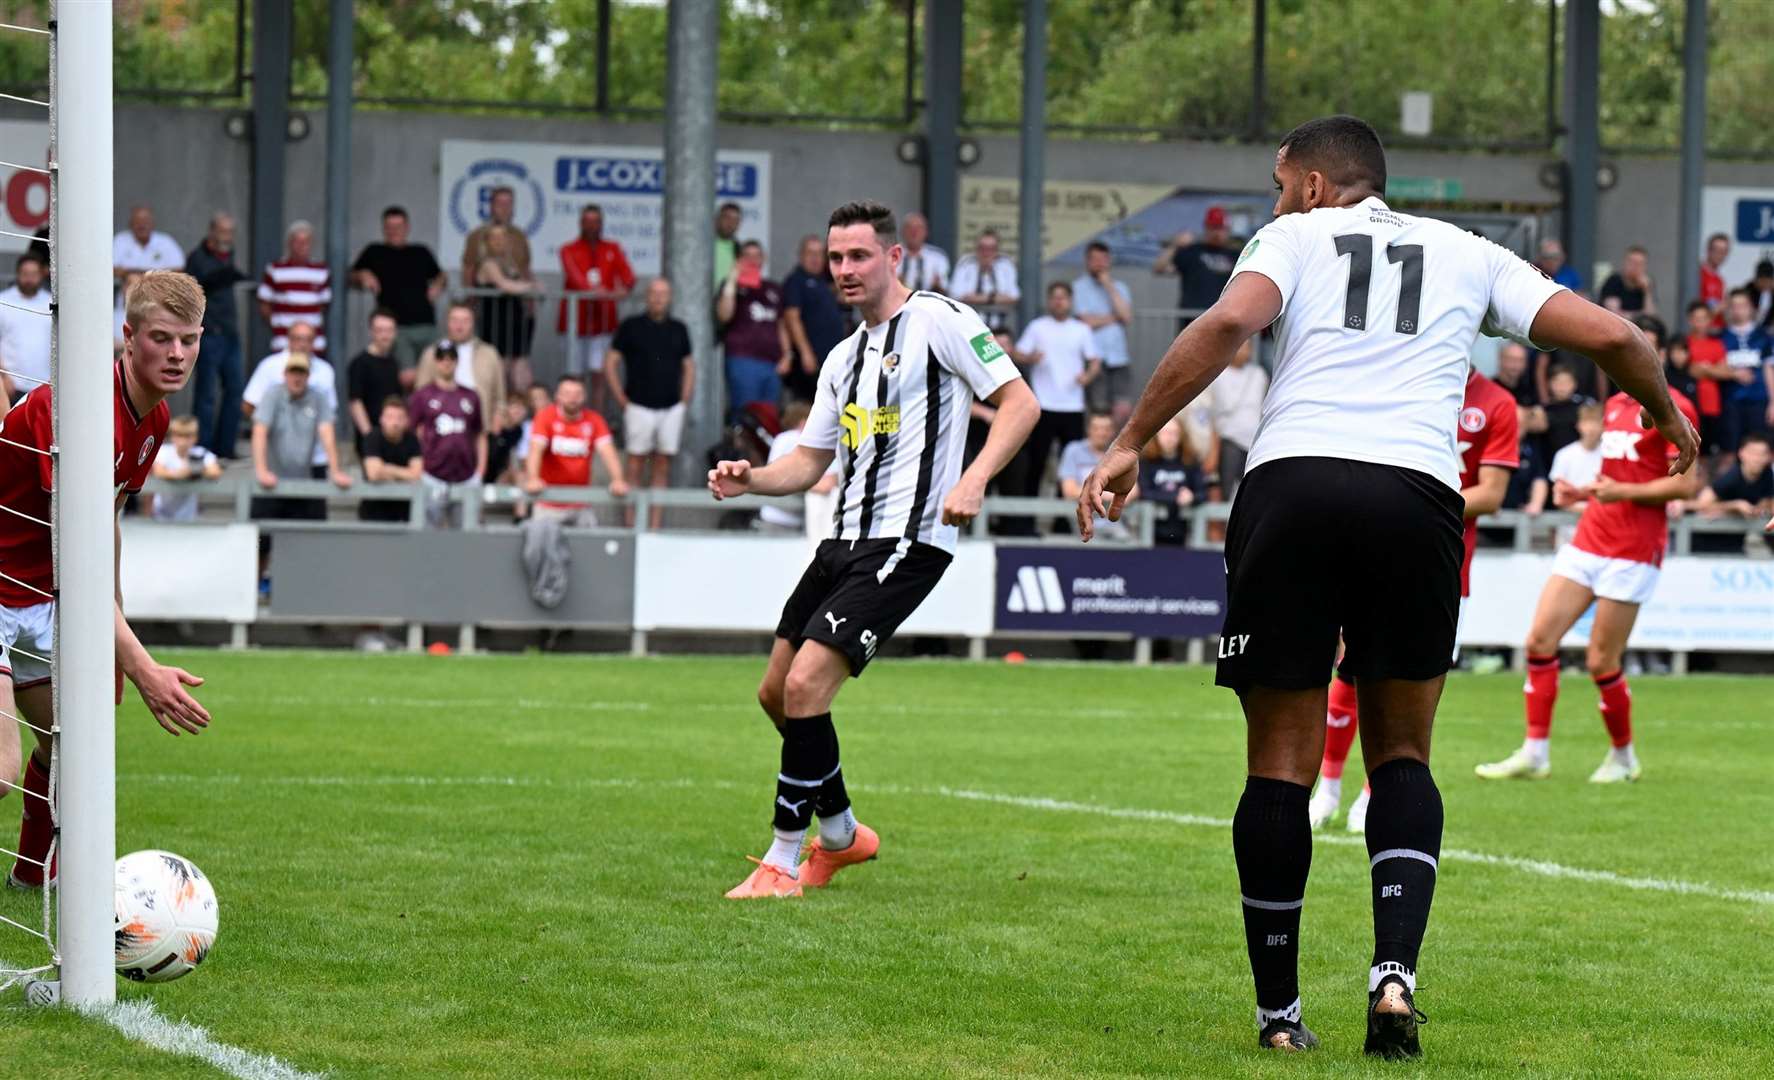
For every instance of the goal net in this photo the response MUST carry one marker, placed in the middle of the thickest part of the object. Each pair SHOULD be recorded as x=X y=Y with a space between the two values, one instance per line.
x=63 y=949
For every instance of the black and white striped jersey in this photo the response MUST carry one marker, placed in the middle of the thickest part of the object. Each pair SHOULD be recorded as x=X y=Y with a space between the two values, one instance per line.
x=893 y=402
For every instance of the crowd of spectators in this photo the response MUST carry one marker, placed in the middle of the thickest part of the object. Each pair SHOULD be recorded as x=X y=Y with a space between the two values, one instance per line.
x=452 y=406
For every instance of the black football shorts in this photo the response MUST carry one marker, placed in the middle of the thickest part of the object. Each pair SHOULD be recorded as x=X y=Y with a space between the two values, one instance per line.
x=1317 y=545
x=855 y=594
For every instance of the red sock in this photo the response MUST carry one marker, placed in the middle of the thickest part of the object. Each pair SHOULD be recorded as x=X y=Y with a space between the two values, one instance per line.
x=35 y=827
x=1541 y=694
x=1616 y=707
x=1339 y=728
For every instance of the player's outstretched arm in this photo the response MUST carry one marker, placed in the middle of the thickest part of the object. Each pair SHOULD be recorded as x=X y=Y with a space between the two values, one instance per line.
x=788 y=475
x=1567 y=321
x=1191 y=364
x=1015 y=416
x=162 y=688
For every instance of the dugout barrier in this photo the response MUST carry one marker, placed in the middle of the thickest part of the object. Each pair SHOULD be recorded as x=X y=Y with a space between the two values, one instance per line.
x=712 y=574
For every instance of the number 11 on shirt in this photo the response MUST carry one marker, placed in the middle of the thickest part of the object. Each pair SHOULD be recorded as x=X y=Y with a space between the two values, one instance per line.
x=1360 y=249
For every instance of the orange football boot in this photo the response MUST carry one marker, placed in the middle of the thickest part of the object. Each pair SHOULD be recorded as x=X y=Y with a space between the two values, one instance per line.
x=768 y=880
x=822 y=864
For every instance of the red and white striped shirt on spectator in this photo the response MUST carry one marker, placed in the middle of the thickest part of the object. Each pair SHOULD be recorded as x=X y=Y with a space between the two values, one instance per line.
x=297 y=291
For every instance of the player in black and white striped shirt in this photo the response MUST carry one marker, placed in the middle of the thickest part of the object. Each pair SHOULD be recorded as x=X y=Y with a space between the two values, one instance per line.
x=892 y=404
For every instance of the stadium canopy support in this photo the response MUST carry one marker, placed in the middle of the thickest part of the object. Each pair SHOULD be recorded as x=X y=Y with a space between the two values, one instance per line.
x=1693 y=151
x=693 y=32
x=338 y=166
x=1582 y=133
x=942 y=121
x=1034 y=163
x=273 y=24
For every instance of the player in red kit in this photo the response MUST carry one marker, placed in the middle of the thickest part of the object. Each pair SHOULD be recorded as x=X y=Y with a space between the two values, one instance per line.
x=1613 y=562
x=1490 y=449
x=162 y=325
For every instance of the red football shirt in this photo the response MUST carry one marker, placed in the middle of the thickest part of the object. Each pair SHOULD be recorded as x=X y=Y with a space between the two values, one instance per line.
x=26 y=566
x=585 y=268
x=1632 y=455
x=567 y=446
x=1490 y=434
x=1706 y=349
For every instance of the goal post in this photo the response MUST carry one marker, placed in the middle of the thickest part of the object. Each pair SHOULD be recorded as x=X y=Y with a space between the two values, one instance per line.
x=84 y=662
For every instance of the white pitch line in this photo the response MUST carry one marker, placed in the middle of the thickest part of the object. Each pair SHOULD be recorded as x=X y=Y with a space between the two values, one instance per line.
x=1540 y=867
x=138 y=1020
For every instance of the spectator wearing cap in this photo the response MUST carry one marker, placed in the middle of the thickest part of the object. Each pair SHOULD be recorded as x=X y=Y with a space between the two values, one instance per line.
x=985 y=278
x=478 y=365
x=452 y=432
x=322 y=383
x=1203 y=266
x=221 y=371
x=25 y=325
x=291 y=427
x=501 y=204
x=592 y=264
x=923 y=266
x=1104 y=304
x=1551 y=262
x=406 y=281
x=296 y=288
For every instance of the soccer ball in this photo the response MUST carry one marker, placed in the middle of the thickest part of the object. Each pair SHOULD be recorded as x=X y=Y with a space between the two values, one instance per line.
x=166 y=916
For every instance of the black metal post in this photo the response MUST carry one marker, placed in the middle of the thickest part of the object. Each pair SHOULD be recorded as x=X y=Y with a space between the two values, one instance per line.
x=272 y=26
x=942 y=122
x=603 y=57
x=1259 y=75
x=1033 y=181
x=1582 y=133
x=1693 y=149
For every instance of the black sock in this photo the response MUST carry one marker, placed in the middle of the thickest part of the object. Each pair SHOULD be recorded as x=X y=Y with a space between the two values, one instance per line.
x=1403 y=846
x=1272 y=841
x=809 y=762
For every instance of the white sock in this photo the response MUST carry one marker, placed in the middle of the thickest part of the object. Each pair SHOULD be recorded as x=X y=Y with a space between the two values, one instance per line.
x=1624 y=755
x=1538 y=749
x=785 y=850
x=1361 y=800
x=838 y=831
x=1331 y=789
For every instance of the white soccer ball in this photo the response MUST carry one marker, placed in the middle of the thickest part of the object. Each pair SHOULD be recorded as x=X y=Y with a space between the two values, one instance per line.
x=166 y=916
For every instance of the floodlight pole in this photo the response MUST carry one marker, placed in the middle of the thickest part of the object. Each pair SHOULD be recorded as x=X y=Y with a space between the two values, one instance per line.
x=1033 y=183
x=693 y=32
x=1582 y=134
x=85 y=649
x=1693 y=151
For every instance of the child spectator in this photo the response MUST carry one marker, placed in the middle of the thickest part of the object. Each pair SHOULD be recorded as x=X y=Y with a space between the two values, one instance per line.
x=1577 y=464
x=1172 y=480
x=1706 y=363
x=772 y=518
x=1560 y=411
x=181 y=459
x=1745 y=490
x=1747 y=349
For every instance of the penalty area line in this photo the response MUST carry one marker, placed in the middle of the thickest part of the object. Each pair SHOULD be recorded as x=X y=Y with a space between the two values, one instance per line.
x=138 y=1020
x=1538 y=867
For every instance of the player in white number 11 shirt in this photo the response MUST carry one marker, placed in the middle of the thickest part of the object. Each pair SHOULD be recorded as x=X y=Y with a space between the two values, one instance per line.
x=1350 y=518
x=892 y=404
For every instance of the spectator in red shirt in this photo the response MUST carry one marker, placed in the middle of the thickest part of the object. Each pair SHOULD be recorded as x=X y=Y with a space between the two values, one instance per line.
x=595 y=265
x=1706 y=363
x=1712 y=285
x=563 y=436
x=296 y=288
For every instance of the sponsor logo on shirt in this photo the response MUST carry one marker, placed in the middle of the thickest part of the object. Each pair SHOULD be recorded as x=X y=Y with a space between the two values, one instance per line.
x=568 y=446
x=986 y=348
x=1620 y=445
x=860 y=423
x=1249 y=250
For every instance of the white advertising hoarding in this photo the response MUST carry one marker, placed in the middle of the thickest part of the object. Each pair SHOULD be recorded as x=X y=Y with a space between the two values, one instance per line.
x=551 y=182
x=190 y=571
x=24 y=195
x=1746 y=215
x=1723 y=604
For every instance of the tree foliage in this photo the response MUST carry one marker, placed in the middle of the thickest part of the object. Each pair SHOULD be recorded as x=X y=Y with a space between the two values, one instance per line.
x=1150 y=65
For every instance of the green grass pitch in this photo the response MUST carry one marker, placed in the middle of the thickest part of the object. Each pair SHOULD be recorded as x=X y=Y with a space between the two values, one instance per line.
x=513 y=866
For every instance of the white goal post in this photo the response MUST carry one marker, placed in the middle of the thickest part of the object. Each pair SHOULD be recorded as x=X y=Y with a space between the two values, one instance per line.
x=85 y=652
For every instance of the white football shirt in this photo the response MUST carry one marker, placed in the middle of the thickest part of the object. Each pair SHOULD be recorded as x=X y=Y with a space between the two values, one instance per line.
x=893 y=402
x=1378 y=314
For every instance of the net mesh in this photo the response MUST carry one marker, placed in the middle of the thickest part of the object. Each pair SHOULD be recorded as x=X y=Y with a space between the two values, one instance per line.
x=27 y=951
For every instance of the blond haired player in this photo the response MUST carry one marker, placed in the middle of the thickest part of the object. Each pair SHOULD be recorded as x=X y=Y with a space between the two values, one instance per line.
x=162 y=323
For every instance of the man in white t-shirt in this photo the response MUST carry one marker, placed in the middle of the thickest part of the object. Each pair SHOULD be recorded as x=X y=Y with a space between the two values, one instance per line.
x=24 y=331
x=1103 y=303
x=140 y=248
x=781 y=519
x=1237 y=411
x=322 y=382
x=1060 y=357
x=1350 y=520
